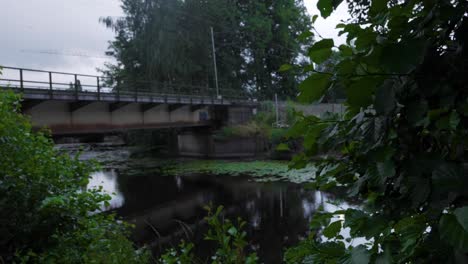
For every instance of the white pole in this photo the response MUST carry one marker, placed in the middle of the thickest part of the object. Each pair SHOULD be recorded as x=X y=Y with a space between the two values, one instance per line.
x=214 y=63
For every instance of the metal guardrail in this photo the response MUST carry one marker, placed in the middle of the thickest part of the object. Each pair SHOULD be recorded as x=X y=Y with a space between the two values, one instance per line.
x=72 y=83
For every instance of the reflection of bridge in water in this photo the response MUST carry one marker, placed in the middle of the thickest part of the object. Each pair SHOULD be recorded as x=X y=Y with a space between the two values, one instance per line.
x=71 y=103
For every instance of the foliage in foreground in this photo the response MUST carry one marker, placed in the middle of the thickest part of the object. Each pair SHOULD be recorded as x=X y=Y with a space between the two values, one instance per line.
x=48 y=216
x=229 y=237
x=403 y=139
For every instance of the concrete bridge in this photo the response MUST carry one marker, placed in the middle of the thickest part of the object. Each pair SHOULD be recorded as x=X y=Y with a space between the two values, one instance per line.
x=69 y=103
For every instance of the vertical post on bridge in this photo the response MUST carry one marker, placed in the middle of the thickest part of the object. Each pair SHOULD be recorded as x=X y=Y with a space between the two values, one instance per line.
x=50 y=85
x=98 y=89
x=76 y=87
x=21 y=80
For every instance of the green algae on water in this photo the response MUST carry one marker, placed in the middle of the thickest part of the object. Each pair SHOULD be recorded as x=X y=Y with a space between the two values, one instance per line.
x=259 y=170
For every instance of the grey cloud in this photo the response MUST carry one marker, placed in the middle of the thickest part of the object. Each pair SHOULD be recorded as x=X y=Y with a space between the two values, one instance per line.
x=69 y=26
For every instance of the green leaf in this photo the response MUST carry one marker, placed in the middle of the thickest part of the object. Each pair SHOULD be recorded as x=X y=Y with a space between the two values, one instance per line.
x=320 y=219
x=285 y=67
x=346 y=67
x=462 y=216
x=360 y=92
x=299 y=161
x=385 y=100
x=365 y=39
x=311 y=135
x=454 y=120
x=332 y=230
x=410 y=229
x=449 y=177
x=325 y=7
x=386 y=169
x=452 y=232
x=314 y=18
x=403 y=57
x=282 y=147
x=416 y=112
x=305 y=35
x=321 y=50
x=308 y=68
x=314 y=87
x=358 y=255
x=377 y=7
x=345 y=50
x=354 y=219
x=448 y=122
x=232 y=231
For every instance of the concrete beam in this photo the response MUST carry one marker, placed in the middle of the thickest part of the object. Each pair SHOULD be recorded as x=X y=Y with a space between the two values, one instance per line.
x=146 y=107
x=74 y=106
x=173 y=107
x=194 y=108
x=116 y=106
x=28 y=104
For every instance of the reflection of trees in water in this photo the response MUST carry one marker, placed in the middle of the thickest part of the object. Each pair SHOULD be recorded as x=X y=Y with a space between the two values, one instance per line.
x=275 y=212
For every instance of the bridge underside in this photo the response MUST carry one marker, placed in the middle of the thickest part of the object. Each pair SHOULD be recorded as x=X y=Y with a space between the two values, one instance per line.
x=63 y=117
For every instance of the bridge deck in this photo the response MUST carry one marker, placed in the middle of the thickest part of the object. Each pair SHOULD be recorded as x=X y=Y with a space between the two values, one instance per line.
x=61 y=86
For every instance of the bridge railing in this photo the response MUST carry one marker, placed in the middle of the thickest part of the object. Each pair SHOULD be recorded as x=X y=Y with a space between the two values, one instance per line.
x=70 y=83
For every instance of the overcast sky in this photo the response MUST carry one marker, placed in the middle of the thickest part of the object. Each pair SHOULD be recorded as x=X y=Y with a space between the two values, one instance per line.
x=72 y=27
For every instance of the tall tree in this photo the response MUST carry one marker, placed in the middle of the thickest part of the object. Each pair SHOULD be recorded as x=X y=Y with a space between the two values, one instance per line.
x=169 y=42
x=401 y=145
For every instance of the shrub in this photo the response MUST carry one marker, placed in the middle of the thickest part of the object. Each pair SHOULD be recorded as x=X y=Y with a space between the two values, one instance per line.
x=47 y=213
x=229 y=237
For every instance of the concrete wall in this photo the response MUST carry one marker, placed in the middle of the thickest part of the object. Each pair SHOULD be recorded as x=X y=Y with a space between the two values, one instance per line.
x=308 y=109
x=239 y=115
x=193 y=144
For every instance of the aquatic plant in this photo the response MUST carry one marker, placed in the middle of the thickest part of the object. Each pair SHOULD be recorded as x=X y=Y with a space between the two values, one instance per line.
x=259 y=170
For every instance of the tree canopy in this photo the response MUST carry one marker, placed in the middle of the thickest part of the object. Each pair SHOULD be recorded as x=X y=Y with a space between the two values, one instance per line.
x=168 y=41
x=401 y=145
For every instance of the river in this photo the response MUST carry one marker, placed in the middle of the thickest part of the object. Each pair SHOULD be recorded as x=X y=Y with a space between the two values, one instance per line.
x=167 y=208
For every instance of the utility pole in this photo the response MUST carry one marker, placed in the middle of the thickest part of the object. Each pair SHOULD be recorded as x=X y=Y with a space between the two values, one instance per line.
x=214 y=63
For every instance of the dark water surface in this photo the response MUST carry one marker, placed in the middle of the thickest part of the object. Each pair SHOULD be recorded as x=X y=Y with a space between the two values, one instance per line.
x=166 y=209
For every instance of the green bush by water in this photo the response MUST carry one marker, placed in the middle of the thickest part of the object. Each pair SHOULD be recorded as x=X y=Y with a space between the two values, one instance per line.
x=47 y=215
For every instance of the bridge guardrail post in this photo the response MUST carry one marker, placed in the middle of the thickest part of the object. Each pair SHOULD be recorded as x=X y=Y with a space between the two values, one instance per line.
x=21 y=80
x=98 y=89
x=76 y=87
x=51 y=92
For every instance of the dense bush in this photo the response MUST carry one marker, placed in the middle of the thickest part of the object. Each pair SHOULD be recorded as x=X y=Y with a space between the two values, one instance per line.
x=47 y=215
